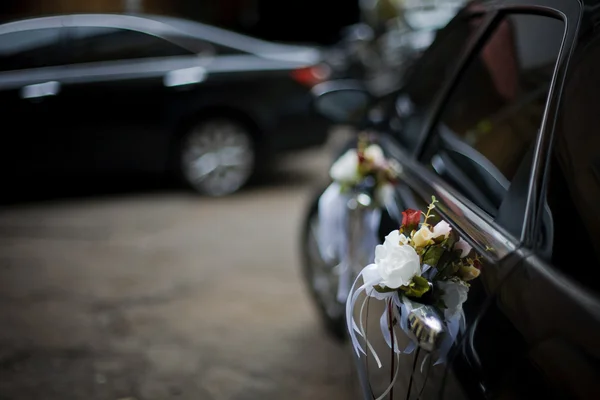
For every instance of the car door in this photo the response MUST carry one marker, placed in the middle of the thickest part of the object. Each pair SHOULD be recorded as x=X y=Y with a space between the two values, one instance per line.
x=30 y=83
x=409 y=116
x=483 y=145
x=550 y=302
x=477 y=159
x=119 y=81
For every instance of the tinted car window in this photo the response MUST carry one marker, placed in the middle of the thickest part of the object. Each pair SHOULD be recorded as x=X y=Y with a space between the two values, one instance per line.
x=95 y=44
x=428 y=75
x=29 y=49
x=490 y=120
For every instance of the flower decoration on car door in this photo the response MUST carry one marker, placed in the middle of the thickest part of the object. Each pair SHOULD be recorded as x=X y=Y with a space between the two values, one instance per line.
x=363 y=181
x=365 y=169
x=422 y=271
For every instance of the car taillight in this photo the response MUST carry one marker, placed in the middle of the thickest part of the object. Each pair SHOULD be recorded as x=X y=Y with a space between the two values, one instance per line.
x=312 y=75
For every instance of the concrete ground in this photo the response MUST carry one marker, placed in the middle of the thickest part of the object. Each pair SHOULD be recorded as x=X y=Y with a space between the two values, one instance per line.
x=165 y=295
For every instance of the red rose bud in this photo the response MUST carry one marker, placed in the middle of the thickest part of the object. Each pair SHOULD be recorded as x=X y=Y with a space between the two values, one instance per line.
x=477 y=264
x=361 y=157
x=410 y=219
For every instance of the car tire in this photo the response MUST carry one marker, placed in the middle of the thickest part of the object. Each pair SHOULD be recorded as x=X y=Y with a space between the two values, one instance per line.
x=217 y=156
x=320 y=277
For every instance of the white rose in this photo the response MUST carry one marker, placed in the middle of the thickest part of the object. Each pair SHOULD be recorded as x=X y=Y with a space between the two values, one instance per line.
x=375 y=154
x=441 y=229
x=422 y=236
x=463 y=246
x=455 y=294
x=345 y=169
x=396 y=263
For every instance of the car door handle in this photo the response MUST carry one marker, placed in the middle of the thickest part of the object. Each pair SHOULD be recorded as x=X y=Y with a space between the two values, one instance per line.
x=38 y=90
x=185 y=76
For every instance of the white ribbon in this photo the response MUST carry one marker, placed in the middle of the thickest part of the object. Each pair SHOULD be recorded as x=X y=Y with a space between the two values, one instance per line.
x=333 y=235
x=369 y=240
x=353 y=328
x=453 y=324
x=332 y=220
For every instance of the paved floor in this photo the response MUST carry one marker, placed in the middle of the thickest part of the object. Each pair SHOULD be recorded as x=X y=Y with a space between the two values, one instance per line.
x=164 y=295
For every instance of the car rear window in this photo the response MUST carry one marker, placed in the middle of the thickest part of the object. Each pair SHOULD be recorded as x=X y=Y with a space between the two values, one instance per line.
x=36 y=48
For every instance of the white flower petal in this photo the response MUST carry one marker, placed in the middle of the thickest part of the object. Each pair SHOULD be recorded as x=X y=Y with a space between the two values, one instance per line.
x=374 y=153
x=396 y=263
x=371 y=274
x=345 y=169
x=464 y=248
x=441 y=229
x=403 y=239
x=455 y=294
x=380 y=252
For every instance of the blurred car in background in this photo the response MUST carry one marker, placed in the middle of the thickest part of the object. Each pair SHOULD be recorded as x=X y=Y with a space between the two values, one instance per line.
x=83 y=95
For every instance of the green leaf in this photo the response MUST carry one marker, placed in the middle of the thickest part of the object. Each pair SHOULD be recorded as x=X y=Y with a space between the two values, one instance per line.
x=417 y=288
x=433 y=255
x=383 y=289
x=449 y=269
x=451 y=240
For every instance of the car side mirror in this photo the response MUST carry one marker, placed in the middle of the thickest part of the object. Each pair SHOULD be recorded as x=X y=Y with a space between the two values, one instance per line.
x=342 y=101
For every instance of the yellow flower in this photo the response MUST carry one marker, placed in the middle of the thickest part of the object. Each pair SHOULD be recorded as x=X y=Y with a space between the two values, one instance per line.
x=422 y=237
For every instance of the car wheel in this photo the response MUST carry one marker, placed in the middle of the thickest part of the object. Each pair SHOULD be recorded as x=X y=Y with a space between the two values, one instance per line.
x=321 y=277
x=217 y=157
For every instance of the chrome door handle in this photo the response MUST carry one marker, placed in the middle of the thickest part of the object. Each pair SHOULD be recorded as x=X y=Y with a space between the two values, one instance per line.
x=185 y=76
x=37 y=90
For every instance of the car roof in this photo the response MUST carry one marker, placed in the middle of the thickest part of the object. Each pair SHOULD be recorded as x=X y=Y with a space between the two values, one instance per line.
x=162 y=26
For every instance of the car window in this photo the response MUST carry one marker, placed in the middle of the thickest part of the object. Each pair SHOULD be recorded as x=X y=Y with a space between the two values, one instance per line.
x=97 y=44
x=427 y=76
x=489 y=122
x=34 y=48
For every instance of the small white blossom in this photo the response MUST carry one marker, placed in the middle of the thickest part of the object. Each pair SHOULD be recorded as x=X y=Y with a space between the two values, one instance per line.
x=404 y=239
x=441 y=229
x=455 y=294
x=345 y=169
x=374 y=153
x=464 y=248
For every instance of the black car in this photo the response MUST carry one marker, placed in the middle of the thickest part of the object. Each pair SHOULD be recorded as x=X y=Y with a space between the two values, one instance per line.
x=499 y=121
x=98 y=94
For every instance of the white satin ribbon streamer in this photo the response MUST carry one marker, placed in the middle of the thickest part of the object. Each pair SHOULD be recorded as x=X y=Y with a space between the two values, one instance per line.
x=333 y=240
x=453 y=324
x=353 y=328
x=332 y=213
x=369 y=240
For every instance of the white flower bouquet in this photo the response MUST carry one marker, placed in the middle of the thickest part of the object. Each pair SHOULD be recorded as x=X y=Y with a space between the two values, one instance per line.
x=422 y=271
x=362 y=183
x=365 y=169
